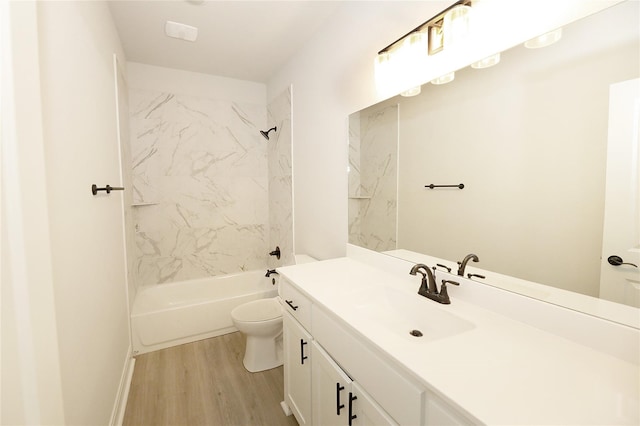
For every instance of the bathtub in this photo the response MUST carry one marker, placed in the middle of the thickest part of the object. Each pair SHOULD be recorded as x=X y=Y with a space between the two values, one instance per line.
x=166 y=315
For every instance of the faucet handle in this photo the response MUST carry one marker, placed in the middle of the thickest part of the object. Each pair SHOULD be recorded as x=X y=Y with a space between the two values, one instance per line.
x=443 y=266
x=470 y=276
x=443 y=287
x=444 y=294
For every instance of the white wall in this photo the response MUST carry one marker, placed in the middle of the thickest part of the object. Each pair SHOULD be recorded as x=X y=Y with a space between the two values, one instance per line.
x=77 y=41
x=30 y=371
x=333 y=76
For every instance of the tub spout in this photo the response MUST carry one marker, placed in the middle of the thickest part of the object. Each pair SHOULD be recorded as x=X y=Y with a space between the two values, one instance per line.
x=270 y=272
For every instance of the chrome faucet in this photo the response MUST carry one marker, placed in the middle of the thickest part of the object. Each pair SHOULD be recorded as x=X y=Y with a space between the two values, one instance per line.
x=428 y=287
x=463 y=264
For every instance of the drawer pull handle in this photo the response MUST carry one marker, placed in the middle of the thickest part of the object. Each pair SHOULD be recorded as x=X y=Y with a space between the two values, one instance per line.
x=290 y=303
x=338 y=405
x=352 y=416
x=302 y=355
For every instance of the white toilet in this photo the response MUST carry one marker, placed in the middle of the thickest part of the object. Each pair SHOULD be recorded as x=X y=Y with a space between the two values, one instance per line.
x=261 y=321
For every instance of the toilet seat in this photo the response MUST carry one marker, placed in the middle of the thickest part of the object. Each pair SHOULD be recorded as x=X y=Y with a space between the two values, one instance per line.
x=258 y=310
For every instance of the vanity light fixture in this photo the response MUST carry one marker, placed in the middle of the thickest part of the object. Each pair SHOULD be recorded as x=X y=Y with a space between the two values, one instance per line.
x=444 y=79
x=487 y=62
x=544 y=40
x=457 y=19
x=455 y=25
x=405 y=59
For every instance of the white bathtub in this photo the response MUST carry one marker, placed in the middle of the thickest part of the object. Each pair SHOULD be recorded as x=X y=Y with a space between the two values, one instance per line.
x=167 y=315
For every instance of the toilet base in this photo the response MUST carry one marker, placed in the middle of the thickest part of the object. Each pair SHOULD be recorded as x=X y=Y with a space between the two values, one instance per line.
x=262 y=353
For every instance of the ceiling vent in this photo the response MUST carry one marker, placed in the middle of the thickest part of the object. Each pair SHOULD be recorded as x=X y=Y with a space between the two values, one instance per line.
x=181 y=31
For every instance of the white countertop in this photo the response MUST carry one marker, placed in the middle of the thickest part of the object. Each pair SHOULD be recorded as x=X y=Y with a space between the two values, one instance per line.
x=498 y=370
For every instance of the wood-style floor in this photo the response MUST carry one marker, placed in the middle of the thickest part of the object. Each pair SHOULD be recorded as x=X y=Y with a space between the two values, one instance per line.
x=204 y=383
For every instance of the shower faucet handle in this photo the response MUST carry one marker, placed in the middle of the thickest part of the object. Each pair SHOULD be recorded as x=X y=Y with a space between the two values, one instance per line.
x=275 y=253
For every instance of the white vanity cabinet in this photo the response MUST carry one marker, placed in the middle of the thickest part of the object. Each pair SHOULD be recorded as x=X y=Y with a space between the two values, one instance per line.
x=296 y=323
x=337 y=400
x=334 y=377
x=297 y=369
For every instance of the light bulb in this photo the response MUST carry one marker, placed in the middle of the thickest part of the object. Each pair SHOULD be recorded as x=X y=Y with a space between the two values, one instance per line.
x=544 y=40
x=487 y=62
x=444 y=79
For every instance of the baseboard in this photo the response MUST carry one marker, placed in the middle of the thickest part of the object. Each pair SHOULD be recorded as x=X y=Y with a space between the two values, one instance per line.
x=285 y=408
x=120 y=404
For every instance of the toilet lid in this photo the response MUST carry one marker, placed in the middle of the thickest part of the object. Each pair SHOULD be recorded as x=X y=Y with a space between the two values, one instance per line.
x=258 y=310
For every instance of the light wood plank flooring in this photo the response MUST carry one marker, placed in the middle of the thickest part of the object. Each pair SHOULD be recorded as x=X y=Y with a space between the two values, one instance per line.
x=204 y=383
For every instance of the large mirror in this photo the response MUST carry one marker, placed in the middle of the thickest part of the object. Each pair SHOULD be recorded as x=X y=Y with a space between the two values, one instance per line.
x=527 y=138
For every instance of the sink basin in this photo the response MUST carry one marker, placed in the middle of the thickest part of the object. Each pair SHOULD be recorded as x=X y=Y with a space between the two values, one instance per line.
x=401 y=313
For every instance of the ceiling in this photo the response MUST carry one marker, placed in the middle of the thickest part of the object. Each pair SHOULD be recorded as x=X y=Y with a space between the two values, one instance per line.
x=246 y=40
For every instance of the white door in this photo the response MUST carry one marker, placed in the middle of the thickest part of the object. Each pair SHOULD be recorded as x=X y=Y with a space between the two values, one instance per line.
x=331 y=390
x=620 y=272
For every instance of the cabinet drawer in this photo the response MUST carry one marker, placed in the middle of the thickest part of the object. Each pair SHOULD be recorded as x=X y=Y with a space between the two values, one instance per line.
x=297 y=304
x=396 y=394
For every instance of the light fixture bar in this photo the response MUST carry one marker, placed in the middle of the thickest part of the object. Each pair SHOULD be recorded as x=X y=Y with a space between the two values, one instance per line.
x=432 y=21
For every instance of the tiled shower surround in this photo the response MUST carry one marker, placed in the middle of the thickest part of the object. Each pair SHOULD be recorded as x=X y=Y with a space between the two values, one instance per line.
x=280 y=180
x=201 y=186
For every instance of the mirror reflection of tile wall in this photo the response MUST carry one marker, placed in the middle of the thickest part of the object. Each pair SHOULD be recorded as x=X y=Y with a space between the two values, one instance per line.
x=373 y=177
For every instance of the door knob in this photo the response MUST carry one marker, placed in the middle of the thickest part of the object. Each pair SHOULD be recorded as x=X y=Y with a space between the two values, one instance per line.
x=617 y=261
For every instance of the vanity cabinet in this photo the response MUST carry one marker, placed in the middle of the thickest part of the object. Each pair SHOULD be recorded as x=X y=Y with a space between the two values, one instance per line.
x=337 y=400
x=332 y=376
x=297 y=369
x=296 y=323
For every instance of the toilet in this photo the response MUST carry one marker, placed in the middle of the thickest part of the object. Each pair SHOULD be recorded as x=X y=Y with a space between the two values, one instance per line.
x=261 y=321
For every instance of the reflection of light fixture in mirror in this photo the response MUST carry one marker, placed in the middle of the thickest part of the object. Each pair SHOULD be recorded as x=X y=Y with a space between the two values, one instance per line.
x=414 y=91
x=544 y=40
x=487 y=62
x=444 y=79
x=455 y=26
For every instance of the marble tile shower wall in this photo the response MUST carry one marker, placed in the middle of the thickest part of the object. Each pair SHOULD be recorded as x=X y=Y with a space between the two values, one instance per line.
x=280 y=180
x=200 y=185
x=373 y=178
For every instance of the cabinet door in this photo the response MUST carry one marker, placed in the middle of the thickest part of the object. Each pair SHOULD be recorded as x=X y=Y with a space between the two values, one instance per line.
x=297 y=369
x=366 y=410
x=331 y=389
